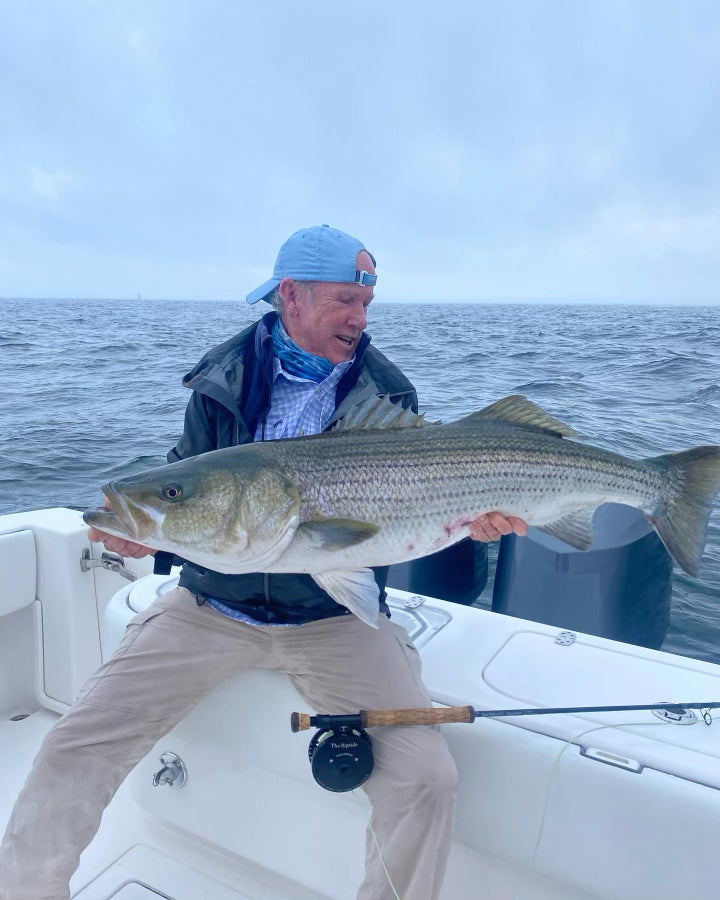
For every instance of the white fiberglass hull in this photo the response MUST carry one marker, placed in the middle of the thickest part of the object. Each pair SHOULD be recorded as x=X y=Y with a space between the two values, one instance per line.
x=613 y=806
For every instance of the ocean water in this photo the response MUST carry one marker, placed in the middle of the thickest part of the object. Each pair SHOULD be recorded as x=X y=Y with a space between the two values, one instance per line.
x=91 y=390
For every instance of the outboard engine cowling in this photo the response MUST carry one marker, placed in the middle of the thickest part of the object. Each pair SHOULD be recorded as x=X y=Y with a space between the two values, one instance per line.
x=619 y=589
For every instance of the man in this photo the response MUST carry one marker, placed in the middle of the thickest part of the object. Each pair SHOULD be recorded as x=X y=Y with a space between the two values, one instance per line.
x=295 y=371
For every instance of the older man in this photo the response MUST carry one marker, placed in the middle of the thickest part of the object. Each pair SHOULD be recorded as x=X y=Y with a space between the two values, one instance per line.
x=297 y=370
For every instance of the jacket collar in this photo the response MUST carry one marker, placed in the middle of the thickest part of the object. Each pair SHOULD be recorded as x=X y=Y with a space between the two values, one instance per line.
x=238 y=372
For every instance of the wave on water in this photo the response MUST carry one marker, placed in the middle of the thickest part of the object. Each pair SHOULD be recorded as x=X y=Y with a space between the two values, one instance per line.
x=123 y=346
x=8 y=344
x=561 y=382
x=136 y=464
x=525 y=354
x=673 y=367
x=707 y=394
x=16 y=469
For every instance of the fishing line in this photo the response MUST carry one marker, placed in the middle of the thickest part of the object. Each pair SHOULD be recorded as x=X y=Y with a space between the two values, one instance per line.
x=368 y=813
x=556 y=765
x=543 y=817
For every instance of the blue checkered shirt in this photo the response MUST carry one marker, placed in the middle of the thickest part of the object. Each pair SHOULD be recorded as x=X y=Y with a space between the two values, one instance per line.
x=297 y=406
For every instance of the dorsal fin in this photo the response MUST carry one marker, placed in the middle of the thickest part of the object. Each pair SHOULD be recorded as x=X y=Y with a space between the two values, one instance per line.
x=518 y=410
x=380 y=412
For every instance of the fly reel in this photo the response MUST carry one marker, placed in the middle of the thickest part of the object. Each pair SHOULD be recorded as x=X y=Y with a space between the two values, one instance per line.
x=341 y=758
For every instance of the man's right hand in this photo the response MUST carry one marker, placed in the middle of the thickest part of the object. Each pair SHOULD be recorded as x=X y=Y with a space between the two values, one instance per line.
x=117 y=544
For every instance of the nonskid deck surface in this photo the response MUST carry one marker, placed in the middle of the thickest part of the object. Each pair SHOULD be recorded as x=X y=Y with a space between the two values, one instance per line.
x=19 y=742
x=135 y=856
x=143 y=873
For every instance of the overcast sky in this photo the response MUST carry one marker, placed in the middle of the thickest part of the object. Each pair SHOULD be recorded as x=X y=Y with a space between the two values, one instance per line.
x=505 y=150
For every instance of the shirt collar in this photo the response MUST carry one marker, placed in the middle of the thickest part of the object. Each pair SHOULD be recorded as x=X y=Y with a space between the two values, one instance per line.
x=338 y=371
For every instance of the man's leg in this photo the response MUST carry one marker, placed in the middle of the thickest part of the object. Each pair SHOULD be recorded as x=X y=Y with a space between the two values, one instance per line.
x=341 y=665
x=170 y=657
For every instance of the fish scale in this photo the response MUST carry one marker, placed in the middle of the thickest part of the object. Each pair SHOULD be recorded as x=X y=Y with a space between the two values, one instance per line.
x=483 y=472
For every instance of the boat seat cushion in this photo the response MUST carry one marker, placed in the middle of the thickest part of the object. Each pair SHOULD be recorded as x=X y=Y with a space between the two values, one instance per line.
x=17 y=570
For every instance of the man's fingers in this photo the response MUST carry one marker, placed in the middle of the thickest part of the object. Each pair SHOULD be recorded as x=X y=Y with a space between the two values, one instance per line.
x=492 y=526
x=519 y=526
x=482 y=529
x=500 y=523
x=135 y=551
x=117 y=544
x=127 y=548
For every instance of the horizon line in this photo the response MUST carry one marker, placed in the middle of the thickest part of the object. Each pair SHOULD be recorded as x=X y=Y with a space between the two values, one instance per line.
x=378 y=302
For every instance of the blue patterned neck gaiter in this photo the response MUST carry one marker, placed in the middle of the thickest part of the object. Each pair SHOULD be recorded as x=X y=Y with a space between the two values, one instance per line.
x=297 y=361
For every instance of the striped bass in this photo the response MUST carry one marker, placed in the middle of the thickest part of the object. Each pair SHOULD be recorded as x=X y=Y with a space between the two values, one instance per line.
x=385 y=487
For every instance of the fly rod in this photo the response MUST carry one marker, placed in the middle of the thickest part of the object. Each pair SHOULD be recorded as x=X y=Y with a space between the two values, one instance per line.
x=368 y=718
x=341 y=754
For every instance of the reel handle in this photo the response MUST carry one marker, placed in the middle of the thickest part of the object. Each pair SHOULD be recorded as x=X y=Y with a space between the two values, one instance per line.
x=368 y=718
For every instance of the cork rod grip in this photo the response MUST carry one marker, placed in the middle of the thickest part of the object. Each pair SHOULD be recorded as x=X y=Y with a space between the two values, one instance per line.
x=421 y=716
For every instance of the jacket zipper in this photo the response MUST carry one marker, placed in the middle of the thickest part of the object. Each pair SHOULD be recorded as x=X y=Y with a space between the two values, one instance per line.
x=238 y=432
x=266 y=587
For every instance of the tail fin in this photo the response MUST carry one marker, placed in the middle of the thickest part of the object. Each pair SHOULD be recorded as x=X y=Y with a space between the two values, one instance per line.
x=681 y=519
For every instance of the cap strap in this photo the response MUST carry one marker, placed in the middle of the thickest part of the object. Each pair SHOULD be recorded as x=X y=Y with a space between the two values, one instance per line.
x=362 y=277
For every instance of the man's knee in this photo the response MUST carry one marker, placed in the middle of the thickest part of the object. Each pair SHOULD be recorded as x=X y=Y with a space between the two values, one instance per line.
x=424 y=768
x=105 y=736
x=438 y=776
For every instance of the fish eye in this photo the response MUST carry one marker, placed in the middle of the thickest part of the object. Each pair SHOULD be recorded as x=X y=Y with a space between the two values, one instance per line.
x=172 y=492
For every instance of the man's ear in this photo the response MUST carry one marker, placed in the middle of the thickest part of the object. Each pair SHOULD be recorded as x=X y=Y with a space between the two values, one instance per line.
x=289 y=293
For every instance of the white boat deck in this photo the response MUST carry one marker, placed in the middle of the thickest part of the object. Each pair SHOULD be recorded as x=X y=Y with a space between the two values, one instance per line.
x=549 y=808
x=136 y=855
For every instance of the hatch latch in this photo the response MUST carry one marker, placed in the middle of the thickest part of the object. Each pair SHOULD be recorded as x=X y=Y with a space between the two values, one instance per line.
x=112 y=562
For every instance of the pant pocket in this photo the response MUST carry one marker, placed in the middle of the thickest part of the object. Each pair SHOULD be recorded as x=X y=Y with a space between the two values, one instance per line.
x=146 y=615
x=414 y=664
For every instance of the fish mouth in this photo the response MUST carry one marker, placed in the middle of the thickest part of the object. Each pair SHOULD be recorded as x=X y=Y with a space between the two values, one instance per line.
x=104 y=520
x=117 y=520
x=122 y=510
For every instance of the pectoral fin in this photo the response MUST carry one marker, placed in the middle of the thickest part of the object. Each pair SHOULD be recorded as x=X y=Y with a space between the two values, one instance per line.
x=575 y=529
x=354 y=588
x=337 y=534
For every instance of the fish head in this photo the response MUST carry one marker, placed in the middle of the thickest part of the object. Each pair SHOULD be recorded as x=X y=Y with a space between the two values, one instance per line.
x=222 y=513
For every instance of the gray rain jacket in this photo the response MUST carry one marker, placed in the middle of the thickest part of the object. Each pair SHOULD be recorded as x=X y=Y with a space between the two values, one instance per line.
x=231 y=394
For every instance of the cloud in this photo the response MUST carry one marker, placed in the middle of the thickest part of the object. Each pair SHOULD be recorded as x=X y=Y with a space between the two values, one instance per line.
x=494 y=151
x=50 y=185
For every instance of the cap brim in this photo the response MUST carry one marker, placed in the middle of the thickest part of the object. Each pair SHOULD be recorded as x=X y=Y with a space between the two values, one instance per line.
x=264 y=291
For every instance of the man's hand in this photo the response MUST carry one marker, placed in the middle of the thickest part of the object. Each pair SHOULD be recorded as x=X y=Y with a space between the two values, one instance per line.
x=118 y=544
x=492 y=526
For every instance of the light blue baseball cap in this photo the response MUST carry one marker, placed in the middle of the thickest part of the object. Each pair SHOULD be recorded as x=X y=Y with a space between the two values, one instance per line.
x=320 y=253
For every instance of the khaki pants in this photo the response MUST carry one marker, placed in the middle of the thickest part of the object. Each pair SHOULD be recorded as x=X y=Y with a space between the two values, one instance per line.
x=171 y=656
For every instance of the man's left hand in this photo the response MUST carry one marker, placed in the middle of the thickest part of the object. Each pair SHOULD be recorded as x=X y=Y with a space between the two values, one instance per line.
x=492 y=526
